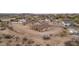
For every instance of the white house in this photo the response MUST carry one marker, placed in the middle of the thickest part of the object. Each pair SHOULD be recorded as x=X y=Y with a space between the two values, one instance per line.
x=67 y=23
x=21 y=21
x=47 y=20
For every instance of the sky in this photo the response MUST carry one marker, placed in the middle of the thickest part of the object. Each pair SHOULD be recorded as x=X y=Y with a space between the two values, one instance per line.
x=39 y=6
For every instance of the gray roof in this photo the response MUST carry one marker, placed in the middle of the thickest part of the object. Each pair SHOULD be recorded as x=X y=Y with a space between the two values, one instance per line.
x=68 y=21
x=76 y=34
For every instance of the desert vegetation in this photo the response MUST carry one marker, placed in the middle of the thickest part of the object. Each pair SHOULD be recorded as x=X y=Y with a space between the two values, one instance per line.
x=74 y=42
x=38 y=29
x=46 y=37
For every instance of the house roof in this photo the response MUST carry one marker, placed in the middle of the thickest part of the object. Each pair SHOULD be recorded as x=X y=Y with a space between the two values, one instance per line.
x=5 y=19
x=76 y=34
x=67 y=21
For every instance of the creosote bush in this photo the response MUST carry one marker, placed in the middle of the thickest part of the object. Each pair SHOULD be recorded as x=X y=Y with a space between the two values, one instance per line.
x=72 y=43
x=2 y=28
x=46 y=37
x=25 y=39
x=8 y=36
x=31 y=42
x=63 y=33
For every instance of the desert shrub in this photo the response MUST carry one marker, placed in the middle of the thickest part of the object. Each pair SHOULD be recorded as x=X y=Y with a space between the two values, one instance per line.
x=14 y=20
x=4 y=24
x=16 y=37
x=31 y=42
x=1 y=41
x=77 y=21
x=47 y=44
x=25 y=39
x=46 y=37
x=2 y=28
x=63 y=33
x=18 y=17
x=0 y=37
x=18 y=44
x=8 y=36
x=10 y=27
x=72 y=43
x=9 y=41
x=0 y=20
x=37 y=44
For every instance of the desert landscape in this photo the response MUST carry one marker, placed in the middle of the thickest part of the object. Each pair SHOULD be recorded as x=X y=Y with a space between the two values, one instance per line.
x=39 y=29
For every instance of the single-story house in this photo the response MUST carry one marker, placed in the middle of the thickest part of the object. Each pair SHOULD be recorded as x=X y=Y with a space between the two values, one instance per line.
x=47 y=20
x=67 y=23
x=21 y=21
x=5 y=20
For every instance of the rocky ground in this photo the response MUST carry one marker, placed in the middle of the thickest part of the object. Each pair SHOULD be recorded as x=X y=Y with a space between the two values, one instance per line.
x=38 y=30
